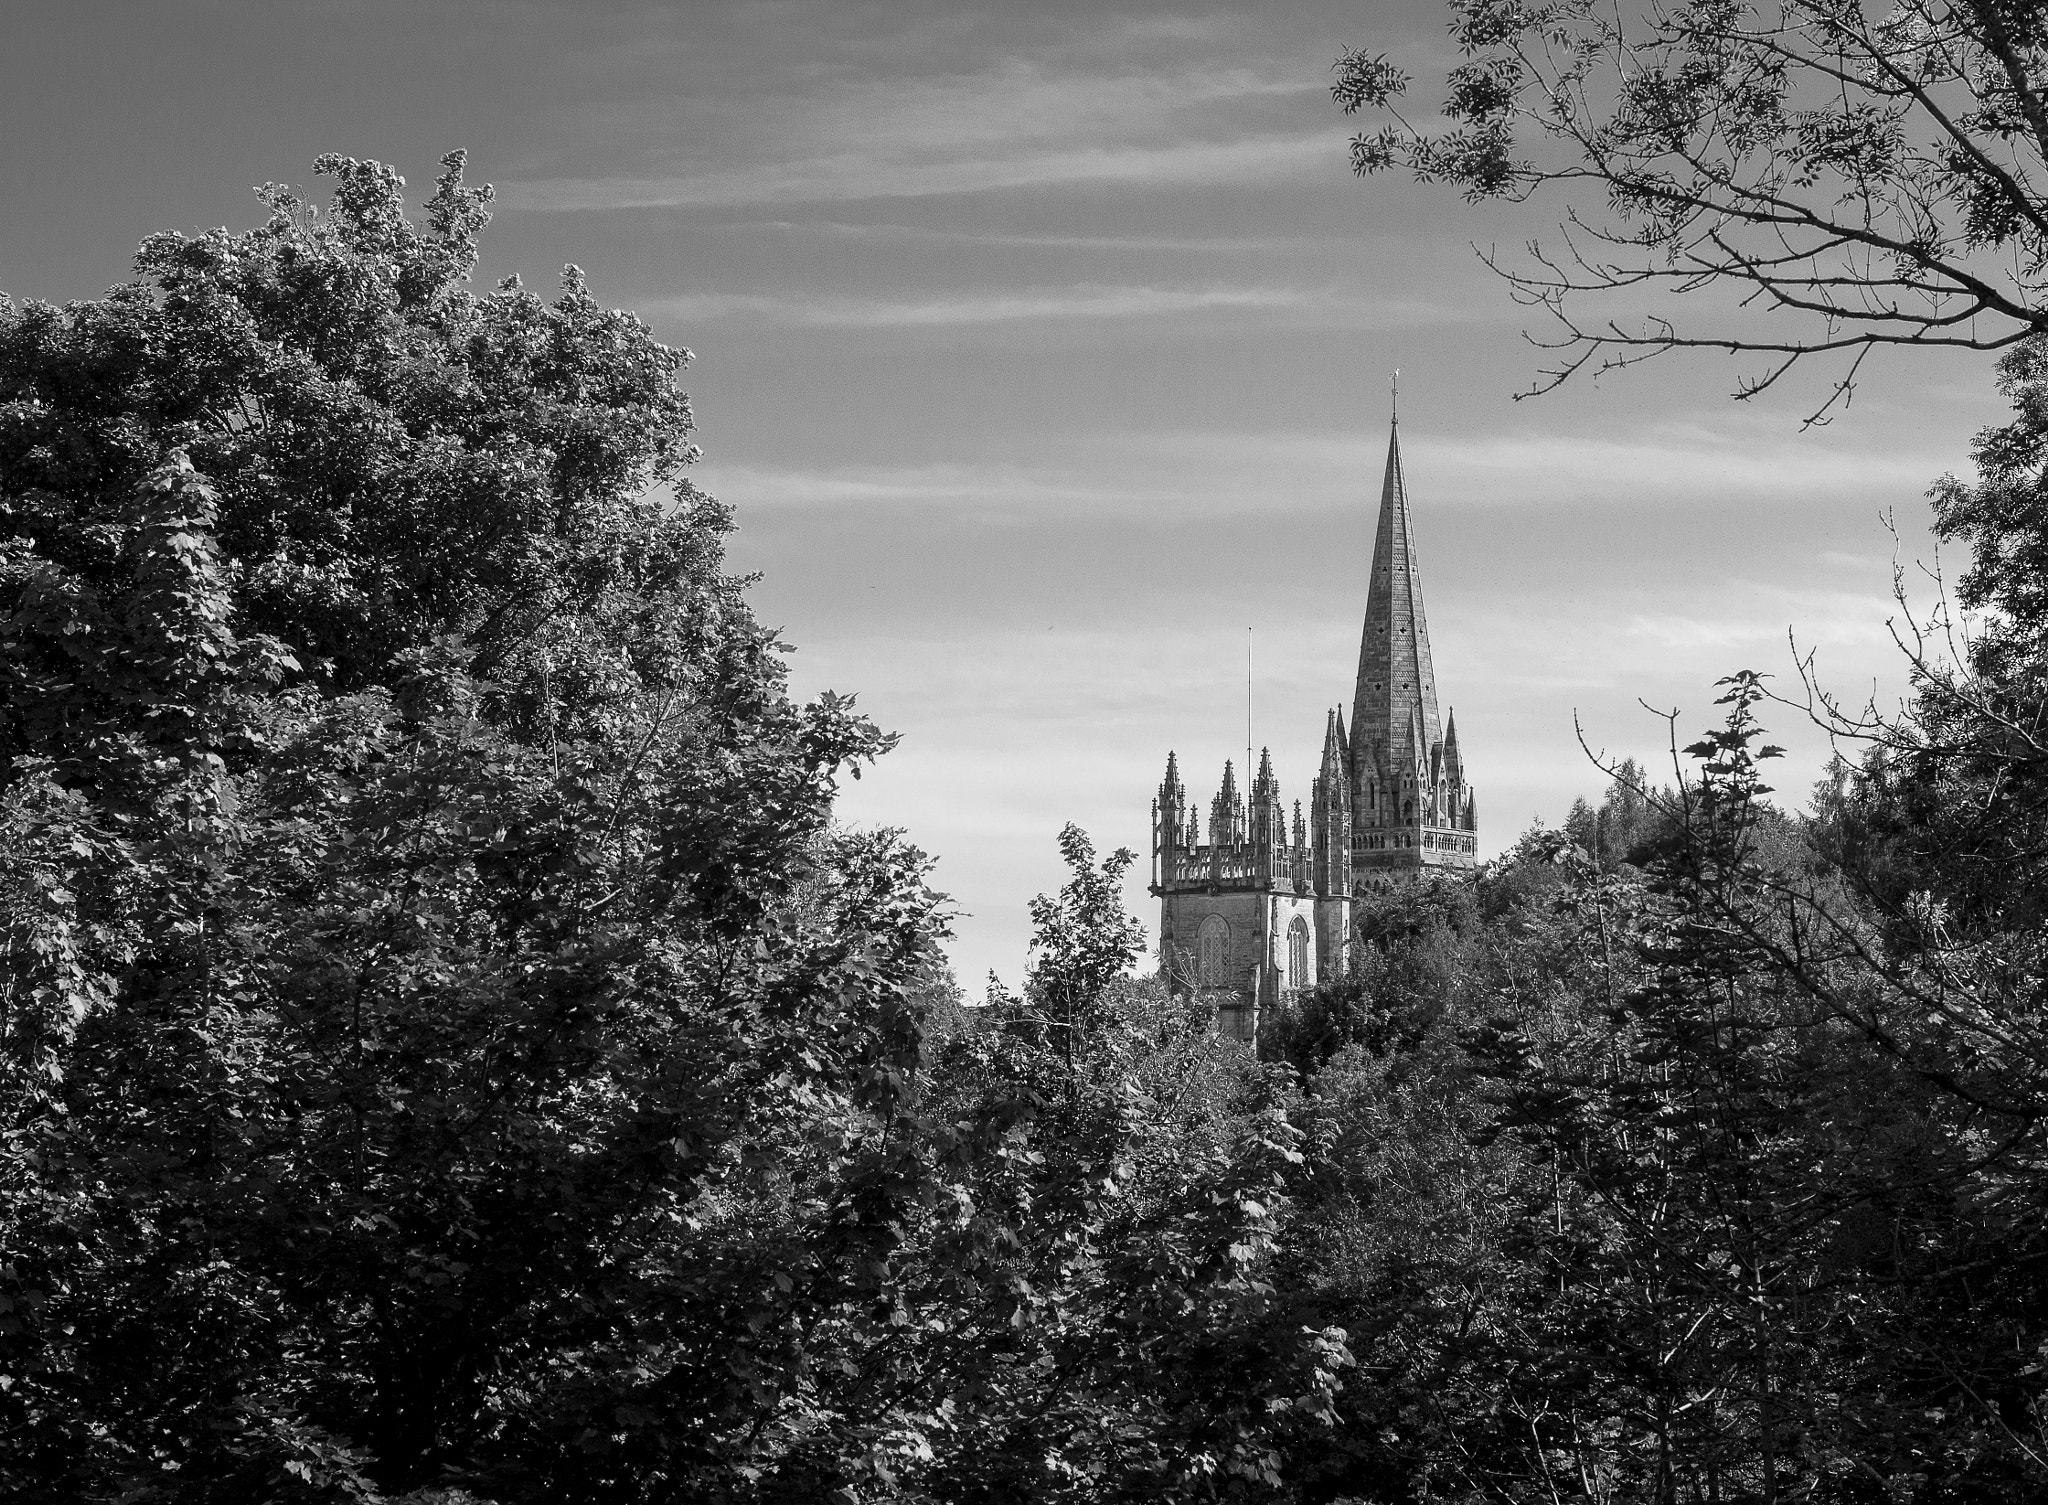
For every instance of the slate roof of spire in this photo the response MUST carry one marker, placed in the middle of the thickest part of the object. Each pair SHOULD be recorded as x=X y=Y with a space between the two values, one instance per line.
x=1396 y=683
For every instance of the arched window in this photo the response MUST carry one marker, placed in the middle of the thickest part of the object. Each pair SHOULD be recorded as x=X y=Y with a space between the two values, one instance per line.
x=1212 y=951
x=1297 y=954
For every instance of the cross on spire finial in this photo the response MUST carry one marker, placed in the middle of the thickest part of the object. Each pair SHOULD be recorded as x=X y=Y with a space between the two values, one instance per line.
x=1396 y=381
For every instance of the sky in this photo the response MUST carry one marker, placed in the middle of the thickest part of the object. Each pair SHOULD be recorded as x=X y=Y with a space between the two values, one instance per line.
x=1043 y=350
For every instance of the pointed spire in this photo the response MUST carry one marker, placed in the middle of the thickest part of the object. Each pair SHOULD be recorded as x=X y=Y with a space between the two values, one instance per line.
x=1334 y=775
x=1266 y=822
x=1172 y=797
x=1226 y=814
x=1454 y=765
x=1396 y=682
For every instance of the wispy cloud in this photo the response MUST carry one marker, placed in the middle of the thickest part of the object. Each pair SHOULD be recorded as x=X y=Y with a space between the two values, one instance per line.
x=1002 y=307
x=1310 y=472
x=987 y=103
x=1220 y=245
x=1675 y=463
x=938 y=484
x=1082 y=302
x=884 y=175
x=1671 y=465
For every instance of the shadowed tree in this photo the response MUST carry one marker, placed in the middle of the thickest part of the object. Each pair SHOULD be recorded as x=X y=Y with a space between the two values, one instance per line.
x=1853 y=176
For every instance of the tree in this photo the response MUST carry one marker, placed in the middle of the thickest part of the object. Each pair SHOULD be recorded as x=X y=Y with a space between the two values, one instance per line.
x=1086 y=1308
x=1872 y=180
x=1780 y=1194
x=1084 y=940
x=1628 y=822
x=445 y=1041
x=1871 y=176
x=445 y=1044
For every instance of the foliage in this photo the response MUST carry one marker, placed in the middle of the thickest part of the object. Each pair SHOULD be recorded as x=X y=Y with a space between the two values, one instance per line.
x=1627 y=1213
x=449 y=1050
x=445 y=1038
x=1871 y=176
x=1083 y=941
x=1629 y=823
x=449 y=1053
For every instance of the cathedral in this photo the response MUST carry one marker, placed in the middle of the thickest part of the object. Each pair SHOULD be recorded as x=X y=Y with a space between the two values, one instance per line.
x=1257 y=906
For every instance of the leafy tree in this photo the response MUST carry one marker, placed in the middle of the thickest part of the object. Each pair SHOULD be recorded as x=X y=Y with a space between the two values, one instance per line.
x=1416 y=952
x=1787 y=1074
x=445 y=1041
x=1623 y=1214
x=1870 y=176
x=1084 y=940
x=1766 y=1204
x=1628 y=823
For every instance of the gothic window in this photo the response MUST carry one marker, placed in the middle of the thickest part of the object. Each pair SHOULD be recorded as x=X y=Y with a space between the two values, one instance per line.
x=1212 y=948
x=1297 y=953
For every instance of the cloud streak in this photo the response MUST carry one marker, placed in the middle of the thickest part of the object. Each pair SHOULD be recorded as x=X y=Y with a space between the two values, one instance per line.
x=1105 y=102
x=853 y=177
x=1259 y=474
x=1219 y=245
x=1081 y=302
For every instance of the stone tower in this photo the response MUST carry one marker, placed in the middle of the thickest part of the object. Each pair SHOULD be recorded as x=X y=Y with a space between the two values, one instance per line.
x=1410 y=807
x=1261 y=908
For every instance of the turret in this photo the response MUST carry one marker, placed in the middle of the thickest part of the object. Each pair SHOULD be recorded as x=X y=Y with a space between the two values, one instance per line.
x=1454 y=775
x=1330 y=813
x=1170 y=810
x=1226 y=812
x=1267 y=816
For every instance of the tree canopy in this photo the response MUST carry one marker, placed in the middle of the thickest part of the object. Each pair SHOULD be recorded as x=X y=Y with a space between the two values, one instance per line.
x=449 y=1053
x=447 y=1049
x=1855 y=176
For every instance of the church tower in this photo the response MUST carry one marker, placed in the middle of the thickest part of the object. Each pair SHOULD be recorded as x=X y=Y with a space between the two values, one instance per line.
x=1261 y=909
x=1410 y=807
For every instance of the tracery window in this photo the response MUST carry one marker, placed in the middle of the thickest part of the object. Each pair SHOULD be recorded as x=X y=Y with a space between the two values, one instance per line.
x=1212 y=948
x=1297 y=954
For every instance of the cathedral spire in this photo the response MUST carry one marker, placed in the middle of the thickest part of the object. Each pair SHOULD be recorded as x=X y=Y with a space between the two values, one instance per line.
x=1396 y=683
